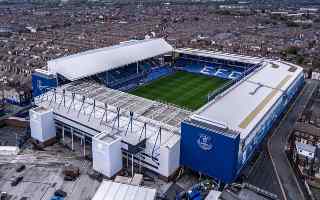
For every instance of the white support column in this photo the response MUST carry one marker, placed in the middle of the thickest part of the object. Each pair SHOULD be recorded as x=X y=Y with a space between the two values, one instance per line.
x=63 y=134
x=132 y=173
x=127 y=159
x=72 y=145
x=106 y=107
x=140 y=163
x=84 y=146
x=137 y=67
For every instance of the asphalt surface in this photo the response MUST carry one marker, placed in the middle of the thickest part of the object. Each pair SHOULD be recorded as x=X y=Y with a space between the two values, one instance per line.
x=290 y=184
x=263 y=175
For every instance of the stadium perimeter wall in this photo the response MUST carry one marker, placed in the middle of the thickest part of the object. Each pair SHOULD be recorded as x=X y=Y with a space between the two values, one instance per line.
x=208 y=151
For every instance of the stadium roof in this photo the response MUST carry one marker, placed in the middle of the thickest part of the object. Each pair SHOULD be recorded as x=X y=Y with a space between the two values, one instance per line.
x=243 y=106
x=91 y=62
x=219 y=55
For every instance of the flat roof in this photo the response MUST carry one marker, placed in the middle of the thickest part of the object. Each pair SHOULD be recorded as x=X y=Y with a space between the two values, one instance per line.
x=305 y=147
x=118 y=191
x=95 y=61
x=40 y=109
x=241 y=107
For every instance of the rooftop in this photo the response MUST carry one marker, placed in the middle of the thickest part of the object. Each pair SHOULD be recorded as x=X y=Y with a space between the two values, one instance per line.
x=40 y=109
x=95 y=61
x=241 y=107
x=113 y=190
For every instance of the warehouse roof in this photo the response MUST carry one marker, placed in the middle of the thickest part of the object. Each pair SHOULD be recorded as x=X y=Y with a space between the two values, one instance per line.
x=246 y=103
x=91 y=62
x=119 y=191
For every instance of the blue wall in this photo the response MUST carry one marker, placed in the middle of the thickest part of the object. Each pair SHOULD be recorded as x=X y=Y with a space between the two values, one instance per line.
x=210 y=153
x=42 y=83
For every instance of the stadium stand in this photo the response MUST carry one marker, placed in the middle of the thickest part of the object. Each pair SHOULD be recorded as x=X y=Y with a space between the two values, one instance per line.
x=235 y=75
x=220 y=70
x=130 y=76
x=158 y=72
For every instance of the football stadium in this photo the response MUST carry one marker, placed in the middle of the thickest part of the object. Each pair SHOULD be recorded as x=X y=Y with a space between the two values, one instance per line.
x=143 y=103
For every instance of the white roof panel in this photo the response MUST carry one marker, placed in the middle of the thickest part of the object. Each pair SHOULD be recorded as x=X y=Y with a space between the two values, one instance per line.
x=232 y=108
x=275 y=72
x=243 y=106
x=112 y=190
x=219 y=55
x=213 y=195
x=9 y=150
x=99 y=60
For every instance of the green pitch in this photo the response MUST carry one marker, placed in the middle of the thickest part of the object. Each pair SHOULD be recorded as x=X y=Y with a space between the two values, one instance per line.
x=183 y=89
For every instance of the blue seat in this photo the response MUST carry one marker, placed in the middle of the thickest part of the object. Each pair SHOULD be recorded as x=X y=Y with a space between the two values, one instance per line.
x=157 y=73
x=208 y=70
x=235 y=75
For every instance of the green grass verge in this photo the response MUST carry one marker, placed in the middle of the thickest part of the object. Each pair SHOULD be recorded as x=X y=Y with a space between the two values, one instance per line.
x=183 y=89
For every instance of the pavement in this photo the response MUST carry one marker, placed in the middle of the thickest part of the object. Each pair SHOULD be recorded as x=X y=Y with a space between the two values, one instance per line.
x=291 y=186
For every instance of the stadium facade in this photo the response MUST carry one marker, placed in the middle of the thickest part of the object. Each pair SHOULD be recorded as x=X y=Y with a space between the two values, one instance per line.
x=89 y=95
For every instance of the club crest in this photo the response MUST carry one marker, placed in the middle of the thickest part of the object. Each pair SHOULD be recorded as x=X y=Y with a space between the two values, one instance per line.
x=204 y=142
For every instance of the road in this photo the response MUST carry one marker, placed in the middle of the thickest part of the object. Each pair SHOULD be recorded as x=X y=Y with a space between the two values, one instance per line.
x=266 y=180
x=290 y=186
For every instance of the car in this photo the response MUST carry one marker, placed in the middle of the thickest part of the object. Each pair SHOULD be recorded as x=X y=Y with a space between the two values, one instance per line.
x=16 y=181
x=60 y=193
x=20 y=168
x=69 y=178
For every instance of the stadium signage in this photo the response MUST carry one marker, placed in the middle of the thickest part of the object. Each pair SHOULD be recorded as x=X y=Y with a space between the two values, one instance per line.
x=205 y=142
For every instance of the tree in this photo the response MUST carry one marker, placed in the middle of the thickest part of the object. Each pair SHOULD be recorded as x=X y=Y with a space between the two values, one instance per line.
x=316 y=63
x=300 y=59
x=293 y=50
